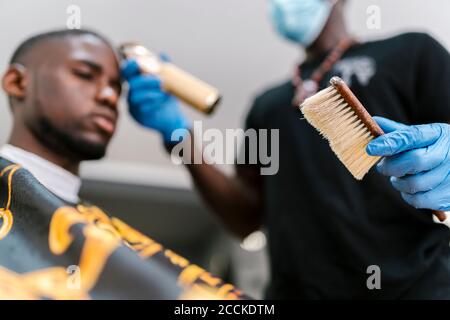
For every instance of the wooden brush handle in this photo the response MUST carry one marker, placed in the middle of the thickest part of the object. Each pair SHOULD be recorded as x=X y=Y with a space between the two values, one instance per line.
x=367 y=119
x=441 y=215
x=357 y=106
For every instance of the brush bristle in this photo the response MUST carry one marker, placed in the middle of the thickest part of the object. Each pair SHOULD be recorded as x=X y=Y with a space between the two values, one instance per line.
x=348 y=136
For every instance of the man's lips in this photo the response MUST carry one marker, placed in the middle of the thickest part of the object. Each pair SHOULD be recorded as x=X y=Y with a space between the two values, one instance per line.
x=105 y=123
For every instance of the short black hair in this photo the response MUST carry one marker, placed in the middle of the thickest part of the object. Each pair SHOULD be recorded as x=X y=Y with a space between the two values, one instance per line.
x=27 y=45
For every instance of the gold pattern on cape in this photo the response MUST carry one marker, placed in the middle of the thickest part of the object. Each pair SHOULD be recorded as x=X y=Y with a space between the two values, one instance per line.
x=103 y=235
x=97 y=248
x=47 y=283
x=198 y=281
x=6 y=215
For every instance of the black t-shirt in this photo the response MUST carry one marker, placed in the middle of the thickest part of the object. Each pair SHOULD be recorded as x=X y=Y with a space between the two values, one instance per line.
x=324 y=227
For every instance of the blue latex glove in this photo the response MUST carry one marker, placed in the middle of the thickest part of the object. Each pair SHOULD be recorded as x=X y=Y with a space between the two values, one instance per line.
x=417 y=160
x=150 y=105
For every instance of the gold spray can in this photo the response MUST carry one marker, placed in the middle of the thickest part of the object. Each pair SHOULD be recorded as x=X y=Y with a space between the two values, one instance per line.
x=181 y=84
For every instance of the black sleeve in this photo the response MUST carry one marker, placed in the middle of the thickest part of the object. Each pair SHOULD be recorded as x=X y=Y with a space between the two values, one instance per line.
x=432 y=83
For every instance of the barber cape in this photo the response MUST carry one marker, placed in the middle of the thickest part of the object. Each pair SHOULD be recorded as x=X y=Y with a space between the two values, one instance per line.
x=50 y=249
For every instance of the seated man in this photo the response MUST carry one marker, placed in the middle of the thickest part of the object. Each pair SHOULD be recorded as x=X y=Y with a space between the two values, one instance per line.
x=63 y=89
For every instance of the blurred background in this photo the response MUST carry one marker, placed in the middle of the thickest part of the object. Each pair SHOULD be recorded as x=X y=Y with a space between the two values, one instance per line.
x=229 y=44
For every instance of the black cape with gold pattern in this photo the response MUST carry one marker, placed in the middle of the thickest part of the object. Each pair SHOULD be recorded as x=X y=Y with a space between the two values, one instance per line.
x=50 y=249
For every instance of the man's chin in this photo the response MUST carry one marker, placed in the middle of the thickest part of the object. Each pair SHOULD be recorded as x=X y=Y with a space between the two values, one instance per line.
x=82 y=148
x=74 y=144
x=88 y=150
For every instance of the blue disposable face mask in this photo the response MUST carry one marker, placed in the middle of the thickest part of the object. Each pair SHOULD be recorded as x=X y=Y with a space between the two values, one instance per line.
x=300 y=21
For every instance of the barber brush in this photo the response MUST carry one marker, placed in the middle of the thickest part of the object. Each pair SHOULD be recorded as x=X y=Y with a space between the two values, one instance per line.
x=185 y=86
x=341 y=118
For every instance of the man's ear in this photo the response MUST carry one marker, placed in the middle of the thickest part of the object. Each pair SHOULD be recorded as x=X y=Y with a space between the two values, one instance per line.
x=15 y=80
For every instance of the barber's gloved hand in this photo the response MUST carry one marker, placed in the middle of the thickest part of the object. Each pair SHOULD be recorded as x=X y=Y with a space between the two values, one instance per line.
x=150 y=105
x=417 y=160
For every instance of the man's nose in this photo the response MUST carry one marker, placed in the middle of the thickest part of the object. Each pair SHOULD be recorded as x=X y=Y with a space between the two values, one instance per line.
x=108 y=96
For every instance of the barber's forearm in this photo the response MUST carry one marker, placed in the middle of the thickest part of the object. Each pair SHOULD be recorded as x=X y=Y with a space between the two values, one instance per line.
x=236 y=204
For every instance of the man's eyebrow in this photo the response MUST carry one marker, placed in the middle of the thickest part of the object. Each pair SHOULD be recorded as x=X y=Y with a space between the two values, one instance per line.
x=92 y=65
x=98 y=68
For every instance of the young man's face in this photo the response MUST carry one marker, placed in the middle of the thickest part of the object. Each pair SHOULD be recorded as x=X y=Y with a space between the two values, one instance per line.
x=72 y=95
